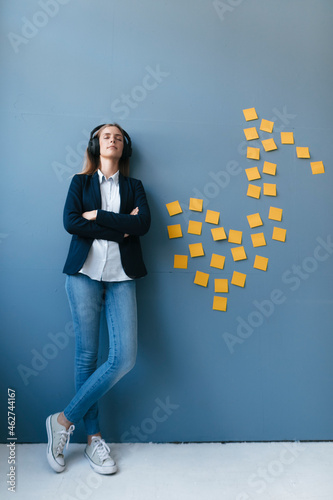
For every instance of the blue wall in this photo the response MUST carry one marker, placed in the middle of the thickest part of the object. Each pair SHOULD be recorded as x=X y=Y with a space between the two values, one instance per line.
x=176 y=75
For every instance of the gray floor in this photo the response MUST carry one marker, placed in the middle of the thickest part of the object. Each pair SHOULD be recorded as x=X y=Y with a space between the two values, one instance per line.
x=208 y=471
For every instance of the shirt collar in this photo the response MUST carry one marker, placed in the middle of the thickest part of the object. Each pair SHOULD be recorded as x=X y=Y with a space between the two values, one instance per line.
x=114 y=177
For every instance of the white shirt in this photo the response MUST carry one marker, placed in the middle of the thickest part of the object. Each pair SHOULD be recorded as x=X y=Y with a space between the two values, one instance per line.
x=103 y=262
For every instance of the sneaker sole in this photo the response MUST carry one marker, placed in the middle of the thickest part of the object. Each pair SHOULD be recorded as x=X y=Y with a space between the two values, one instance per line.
x=50 y=458
x=99 y=468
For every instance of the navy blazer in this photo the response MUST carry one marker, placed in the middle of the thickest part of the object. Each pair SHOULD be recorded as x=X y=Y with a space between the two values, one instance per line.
x=84 y=195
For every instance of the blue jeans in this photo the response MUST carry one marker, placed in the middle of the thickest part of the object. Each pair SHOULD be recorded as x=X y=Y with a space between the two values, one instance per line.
x=87 y=298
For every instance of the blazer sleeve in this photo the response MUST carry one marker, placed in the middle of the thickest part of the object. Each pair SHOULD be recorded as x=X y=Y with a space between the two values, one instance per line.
x=74 y=223
x=136 y=225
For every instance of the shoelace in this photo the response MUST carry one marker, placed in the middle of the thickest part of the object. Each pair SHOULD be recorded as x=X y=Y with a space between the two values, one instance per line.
x=102 y=449
x=64 y=440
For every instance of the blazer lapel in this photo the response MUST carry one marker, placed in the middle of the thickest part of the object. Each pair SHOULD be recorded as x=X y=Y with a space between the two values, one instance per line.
x=123 y=188
x=96 y=190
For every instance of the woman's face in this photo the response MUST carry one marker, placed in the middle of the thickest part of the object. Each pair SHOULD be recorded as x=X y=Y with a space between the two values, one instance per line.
x=111 y=143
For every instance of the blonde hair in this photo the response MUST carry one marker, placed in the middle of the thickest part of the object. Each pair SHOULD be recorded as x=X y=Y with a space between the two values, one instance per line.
x=92 y=163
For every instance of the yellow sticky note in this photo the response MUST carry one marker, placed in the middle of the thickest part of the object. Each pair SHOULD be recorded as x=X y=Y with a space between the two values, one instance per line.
x=212 y=217
x=201 y=278
x=180 y=261
x=175 y=231
x=253 y=191
x=260 y=263
x=238 y=279
x=238 y=253
x=258 y=240
x=287 y=138
x=252 y=173
x=269 y=189
x=279 y=234
x=269 y=168
x=220 y=303
x=317 y=167
x=221 y=285
x=302 y=152
x=218 y=233
x=217 y=261
x=269 y=144
x=275 y=213
x=254 y=220
x=194 y=227
x=250 y=114
x=251 y=133
x=266 y=126
x=253 y=153
x=174 y=208
x=235 y=237
x=196 y=250
x=196 y=204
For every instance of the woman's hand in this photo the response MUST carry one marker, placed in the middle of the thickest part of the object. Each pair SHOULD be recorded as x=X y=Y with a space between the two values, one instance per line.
x=135 y=211
x=90 y=215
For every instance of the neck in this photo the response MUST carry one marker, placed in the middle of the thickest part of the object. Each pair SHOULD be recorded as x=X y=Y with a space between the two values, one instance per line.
x=109 y=166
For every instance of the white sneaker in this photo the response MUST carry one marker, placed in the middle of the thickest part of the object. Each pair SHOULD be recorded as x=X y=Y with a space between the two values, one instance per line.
x=58 y=436
x=98 y=454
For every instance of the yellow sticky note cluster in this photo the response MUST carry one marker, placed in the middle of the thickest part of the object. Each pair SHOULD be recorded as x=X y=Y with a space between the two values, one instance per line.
x=255 y=220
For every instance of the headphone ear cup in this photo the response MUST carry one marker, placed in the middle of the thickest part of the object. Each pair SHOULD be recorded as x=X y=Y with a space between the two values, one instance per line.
x=93 y=146
x=125 y=153
x=127 y=150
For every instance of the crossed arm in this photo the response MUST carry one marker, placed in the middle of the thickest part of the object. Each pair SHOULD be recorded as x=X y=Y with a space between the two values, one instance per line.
x=101 y=224
x=92 y=215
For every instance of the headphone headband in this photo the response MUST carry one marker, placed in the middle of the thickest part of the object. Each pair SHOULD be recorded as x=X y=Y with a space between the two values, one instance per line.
x=93 y=146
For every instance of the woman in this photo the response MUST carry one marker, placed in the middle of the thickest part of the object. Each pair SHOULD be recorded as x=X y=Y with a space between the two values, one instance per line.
x=106 y=211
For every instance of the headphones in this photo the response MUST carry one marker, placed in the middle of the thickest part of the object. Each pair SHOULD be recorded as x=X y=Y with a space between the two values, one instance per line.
x=93 y=145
